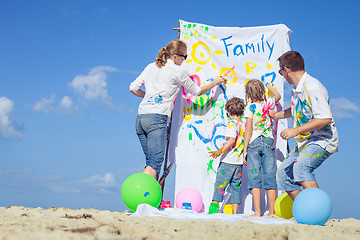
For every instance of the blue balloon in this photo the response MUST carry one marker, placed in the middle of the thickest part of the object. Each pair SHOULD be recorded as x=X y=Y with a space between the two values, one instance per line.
x=312 y=206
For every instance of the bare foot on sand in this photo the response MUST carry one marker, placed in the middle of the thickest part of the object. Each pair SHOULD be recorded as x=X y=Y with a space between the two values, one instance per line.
x=269 y=215
x=256 y=215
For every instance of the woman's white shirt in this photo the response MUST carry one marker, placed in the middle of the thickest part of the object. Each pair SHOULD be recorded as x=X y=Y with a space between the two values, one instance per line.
x=162 y=86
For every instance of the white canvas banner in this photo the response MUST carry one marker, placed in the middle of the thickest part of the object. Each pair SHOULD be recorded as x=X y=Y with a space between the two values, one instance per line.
x=198 y=123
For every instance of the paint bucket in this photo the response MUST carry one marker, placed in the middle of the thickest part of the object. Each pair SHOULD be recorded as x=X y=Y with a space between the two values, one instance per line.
x=165 y=204
x=228 y=209
x=214 y=208
x=186 y=205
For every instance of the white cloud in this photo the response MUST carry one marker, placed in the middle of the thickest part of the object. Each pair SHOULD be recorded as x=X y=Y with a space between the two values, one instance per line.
x=105 y=184
x=343 y=108
x=8 y=126
x=66 y=102
x=108 y=180
x=67 y=105
x=45 y=104
x=92 y=87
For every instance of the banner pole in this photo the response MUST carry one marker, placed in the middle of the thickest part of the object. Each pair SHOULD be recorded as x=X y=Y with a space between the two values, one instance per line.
x=167 y=168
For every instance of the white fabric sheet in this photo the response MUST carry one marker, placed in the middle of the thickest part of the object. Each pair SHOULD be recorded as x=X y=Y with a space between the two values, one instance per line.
x=198 y=122
x=145 y=210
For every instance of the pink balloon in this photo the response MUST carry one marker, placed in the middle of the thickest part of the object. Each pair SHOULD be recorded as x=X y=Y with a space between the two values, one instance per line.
x=189 y=195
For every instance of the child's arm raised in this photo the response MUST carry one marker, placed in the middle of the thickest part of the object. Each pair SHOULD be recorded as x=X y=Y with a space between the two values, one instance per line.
x=227 y=145
x=276 y=94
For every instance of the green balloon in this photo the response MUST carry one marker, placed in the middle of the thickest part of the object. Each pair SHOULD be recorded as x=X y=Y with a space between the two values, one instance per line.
x=140 y=188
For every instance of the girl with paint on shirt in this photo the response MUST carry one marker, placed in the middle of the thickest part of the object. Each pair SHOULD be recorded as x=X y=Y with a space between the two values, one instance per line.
x=259 y=146
x=162 y=80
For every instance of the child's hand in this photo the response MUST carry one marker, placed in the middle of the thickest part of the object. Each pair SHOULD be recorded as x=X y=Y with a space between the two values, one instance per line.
x=272 y=115
x=270 y=85
x=215 y=154
x=273 y=91
x=244 y=160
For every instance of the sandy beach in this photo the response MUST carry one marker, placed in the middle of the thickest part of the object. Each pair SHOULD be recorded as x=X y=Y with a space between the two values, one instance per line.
x=63 y=223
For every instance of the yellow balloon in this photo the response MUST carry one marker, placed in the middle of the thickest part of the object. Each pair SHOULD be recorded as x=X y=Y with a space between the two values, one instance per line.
x=283 y=206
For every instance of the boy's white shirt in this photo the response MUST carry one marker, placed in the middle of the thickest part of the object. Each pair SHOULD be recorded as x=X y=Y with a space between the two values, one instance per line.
x=162 y=86
x=234 y=155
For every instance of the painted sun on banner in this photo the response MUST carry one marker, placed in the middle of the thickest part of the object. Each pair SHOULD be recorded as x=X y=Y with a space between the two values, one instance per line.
x=198 y=122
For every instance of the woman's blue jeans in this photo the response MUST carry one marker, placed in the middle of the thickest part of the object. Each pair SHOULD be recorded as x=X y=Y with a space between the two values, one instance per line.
x=152 y=133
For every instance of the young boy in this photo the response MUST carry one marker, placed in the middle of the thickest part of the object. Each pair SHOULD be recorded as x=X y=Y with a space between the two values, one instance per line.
x=229 y=171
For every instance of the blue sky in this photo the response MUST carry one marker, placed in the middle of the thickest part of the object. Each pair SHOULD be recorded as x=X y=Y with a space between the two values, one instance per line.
x=67 y=136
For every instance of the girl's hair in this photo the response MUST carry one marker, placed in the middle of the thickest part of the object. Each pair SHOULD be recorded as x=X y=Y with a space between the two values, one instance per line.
x=235 y=106
x=174 y=47
x=254 y=90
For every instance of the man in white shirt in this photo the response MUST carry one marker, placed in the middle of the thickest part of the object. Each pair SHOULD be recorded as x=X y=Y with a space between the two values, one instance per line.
x=313 y=127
